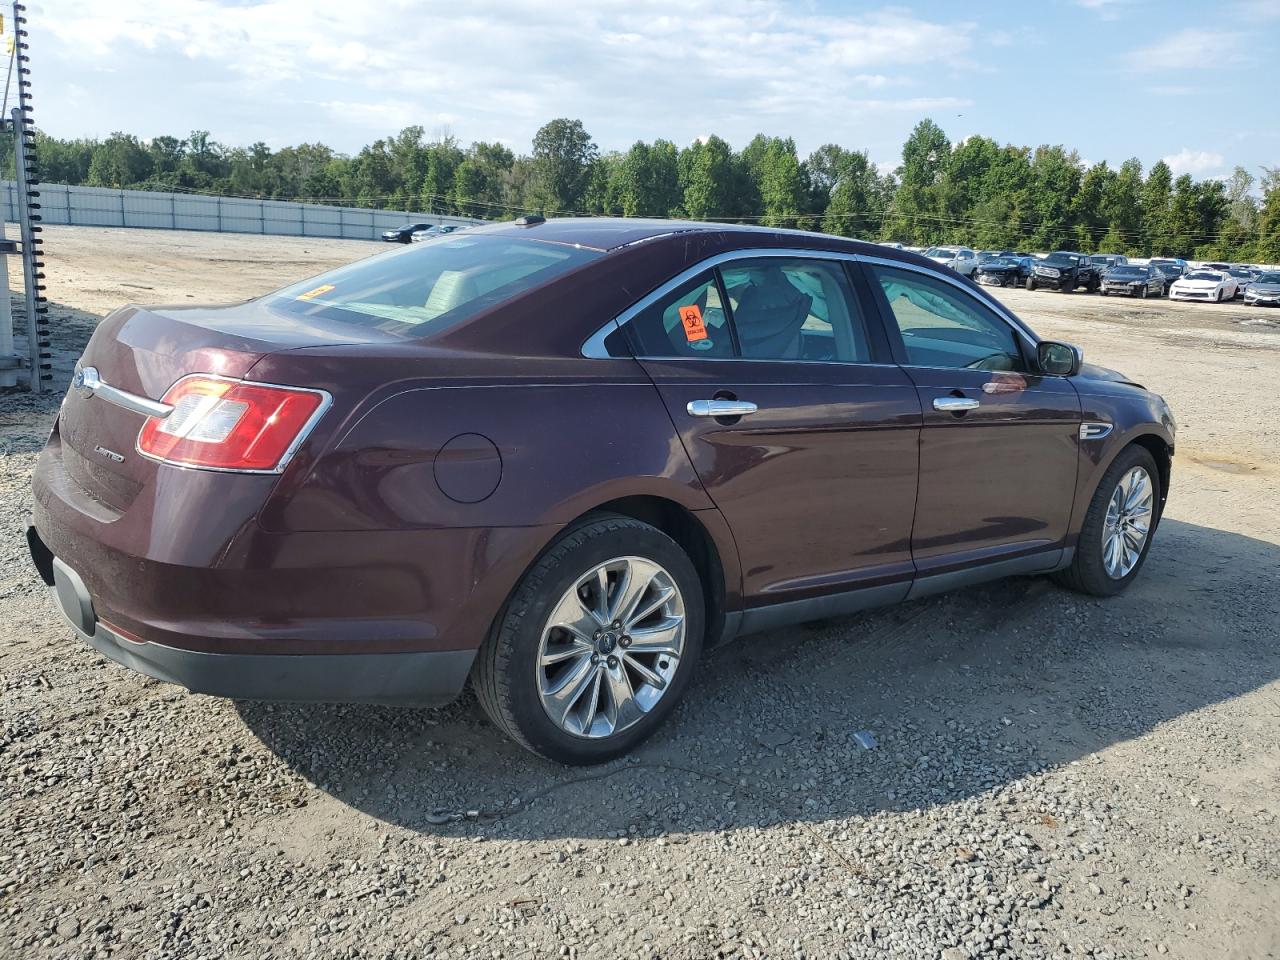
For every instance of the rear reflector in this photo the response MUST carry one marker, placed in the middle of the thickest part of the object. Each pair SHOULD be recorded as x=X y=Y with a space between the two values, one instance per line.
x=222 y=424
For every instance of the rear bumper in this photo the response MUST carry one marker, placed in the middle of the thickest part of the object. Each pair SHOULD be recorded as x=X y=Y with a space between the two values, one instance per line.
x=427 y=678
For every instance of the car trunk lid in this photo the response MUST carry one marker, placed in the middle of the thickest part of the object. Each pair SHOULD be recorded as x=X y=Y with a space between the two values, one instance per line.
x=143 y=352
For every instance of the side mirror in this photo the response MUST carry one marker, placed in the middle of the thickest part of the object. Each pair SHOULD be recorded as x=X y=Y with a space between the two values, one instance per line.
x=1058 y=359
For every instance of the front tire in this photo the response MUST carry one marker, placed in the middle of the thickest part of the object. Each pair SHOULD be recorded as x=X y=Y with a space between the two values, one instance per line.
x=1118 y=527
x=597 y=644
x=1031 y=284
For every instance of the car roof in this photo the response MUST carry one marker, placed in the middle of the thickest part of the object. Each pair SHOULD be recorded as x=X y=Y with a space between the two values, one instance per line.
x=612 y=233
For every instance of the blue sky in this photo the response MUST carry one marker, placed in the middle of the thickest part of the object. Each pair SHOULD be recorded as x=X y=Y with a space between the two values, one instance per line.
x=1112 y=78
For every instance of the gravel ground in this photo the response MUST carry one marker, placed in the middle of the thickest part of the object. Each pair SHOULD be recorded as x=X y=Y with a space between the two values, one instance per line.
x=1053 y=775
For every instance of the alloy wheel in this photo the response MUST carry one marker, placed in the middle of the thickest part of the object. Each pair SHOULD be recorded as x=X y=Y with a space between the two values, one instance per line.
x=611 y=647
x=1128 y=523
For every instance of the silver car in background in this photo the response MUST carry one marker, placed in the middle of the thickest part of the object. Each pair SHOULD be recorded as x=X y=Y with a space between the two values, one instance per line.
x=1264 y=291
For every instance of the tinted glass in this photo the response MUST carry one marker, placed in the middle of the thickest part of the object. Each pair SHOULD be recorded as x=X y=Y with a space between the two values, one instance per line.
x=1203 y=275
x=426 y=287
x=784 y=309
x=944 y=327
x=1269 y=278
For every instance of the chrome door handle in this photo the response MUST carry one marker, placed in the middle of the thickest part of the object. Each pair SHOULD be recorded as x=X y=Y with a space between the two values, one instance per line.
x=954 y=404
x=721 y=408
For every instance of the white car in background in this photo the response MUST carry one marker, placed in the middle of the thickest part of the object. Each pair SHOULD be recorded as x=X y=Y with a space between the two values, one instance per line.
x=960 y=259
x=1213 y=285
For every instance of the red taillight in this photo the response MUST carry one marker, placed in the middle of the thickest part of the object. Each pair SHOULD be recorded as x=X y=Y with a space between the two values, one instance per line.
x=230 y=424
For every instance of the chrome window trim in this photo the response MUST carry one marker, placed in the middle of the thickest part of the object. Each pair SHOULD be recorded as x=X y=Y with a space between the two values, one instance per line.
x=595 y=343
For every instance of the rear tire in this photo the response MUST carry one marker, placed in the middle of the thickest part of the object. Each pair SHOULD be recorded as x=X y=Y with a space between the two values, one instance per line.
x=1088 y=572
x=531 y=666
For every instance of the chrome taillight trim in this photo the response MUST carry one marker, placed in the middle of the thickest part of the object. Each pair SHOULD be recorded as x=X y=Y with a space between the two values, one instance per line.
x=326 y=401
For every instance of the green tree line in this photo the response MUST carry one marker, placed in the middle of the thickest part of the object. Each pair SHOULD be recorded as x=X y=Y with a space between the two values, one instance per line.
x=976 y=192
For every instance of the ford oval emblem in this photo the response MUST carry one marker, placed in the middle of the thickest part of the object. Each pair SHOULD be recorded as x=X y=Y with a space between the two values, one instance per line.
x=86 y=379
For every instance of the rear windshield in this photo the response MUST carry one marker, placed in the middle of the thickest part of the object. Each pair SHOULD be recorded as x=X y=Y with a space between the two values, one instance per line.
x=428 y=286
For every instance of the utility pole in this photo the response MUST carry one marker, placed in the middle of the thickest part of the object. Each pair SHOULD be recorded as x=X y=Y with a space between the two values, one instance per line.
x=24 y=157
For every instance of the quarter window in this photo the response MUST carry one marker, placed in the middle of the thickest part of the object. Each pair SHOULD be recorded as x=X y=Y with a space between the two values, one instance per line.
x=690 y=322
x=944 y=327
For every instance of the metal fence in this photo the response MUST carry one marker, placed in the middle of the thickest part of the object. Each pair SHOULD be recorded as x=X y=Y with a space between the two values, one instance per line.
x=105 y=207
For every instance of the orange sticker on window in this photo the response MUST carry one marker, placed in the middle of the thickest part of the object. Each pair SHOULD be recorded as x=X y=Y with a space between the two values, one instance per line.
x=694 y=328
x=312 y=294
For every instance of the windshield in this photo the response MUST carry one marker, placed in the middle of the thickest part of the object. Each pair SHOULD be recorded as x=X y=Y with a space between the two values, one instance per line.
x=1203 y=275
x=940 y=252
x=427 y=286
x=1127 y=271
x=1061 y=260
x=1000 y=262
x=1269 y=278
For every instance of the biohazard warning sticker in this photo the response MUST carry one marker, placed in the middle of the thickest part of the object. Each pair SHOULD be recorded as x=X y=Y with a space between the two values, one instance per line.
x=691 y=318
x=312 y=294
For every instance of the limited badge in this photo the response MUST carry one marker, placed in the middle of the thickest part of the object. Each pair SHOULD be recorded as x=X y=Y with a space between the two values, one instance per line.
x=691 y=318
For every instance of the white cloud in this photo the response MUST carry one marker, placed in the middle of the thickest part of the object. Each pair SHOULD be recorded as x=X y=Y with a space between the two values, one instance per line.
x=333 y=70
x=1107 y=9
x=1196 y=162
x=1191 y=48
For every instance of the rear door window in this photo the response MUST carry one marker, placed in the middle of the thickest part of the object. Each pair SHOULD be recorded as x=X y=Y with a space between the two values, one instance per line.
x=429 y=286
x=768 y=308
x=795 y=309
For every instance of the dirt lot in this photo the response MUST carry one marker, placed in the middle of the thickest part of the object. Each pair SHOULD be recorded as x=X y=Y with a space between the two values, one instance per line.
x=1055 y=776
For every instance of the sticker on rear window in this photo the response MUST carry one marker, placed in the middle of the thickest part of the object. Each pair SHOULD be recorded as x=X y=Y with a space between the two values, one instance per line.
x=691 y=318
x=312 y=294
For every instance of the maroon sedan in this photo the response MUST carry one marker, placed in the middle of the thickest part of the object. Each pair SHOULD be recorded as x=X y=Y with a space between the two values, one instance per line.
x=561 y=458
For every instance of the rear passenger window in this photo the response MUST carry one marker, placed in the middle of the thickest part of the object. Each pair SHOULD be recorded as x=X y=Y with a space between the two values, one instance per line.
x=772 y=308
x=784 y=309
x=691 y=322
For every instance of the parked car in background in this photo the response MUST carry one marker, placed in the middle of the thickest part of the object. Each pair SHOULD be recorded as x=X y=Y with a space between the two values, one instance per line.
x=404 y=233
x=1264 y=291
x=1064 y=270
x=1004 y=271
x=1171 y=268
x=960 y=259
x=437 y=230
x=1105 y=261
x=1243 y=277
x=1133 y=280
x=560 y=459
x=1214 y=285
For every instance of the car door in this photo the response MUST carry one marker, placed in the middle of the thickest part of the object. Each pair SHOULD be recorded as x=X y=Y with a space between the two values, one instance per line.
x=998 y=452
x=803 y=431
